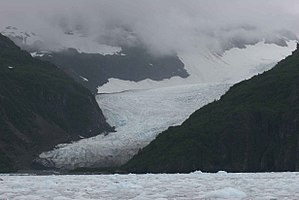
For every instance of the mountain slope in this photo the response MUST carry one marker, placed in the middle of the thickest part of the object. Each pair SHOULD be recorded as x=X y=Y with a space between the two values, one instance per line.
x=40 y=107
x=253 y=127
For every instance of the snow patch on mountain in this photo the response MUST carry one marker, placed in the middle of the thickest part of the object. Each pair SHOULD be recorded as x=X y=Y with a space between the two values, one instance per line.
x=37 y=54
x=84 y=79
x=138 y=117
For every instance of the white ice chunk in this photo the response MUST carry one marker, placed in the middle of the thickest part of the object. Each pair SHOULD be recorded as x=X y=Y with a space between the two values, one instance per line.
x=226 y=193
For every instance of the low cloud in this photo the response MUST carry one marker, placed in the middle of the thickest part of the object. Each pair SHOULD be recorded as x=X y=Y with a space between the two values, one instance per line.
x=162 y=26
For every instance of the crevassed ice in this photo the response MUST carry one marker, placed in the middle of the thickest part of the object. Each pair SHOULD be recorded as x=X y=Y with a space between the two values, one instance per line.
x=138 y=116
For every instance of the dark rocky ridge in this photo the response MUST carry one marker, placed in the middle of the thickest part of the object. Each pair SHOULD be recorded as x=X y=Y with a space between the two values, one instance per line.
x=132 y=64
x=254 y=127
x=40 y=106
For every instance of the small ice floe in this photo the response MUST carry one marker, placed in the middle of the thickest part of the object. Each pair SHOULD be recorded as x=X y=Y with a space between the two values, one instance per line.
x=197 y=172
x=221 y=173
x=151 y=64
x=84 y=79
x=10 y=67
x=81 y=137
x=226 y=193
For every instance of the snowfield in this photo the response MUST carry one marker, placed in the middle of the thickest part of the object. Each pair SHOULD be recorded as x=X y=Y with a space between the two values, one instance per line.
x=197 y=185
x=138 y=116
x=205 y=66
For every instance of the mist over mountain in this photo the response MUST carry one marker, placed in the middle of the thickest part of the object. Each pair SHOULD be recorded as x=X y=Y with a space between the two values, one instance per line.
x=197 y=39
x=163 y=27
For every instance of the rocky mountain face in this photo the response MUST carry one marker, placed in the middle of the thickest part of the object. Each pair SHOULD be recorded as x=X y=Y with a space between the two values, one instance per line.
x=252 y=128
x=40 y=106
x=132 y=64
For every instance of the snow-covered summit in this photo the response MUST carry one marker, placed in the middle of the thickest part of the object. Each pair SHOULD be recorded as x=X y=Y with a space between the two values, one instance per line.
x=84 y=43
x=21 y=37
x=38 y=42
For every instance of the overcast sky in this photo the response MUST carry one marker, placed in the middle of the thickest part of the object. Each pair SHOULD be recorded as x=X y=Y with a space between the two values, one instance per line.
x=164 y=26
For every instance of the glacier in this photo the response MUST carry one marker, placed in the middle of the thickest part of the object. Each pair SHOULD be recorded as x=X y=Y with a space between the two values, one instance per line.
x=138 y=116
x=193 y=186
